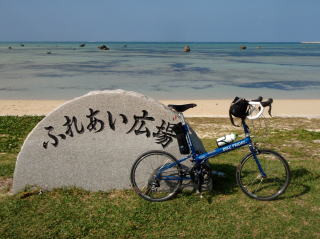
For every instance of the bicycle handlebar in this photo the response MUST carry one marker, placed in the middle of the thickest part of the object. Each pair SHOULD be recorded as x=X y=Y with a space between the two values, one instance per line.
x=267 y=103
x=261 y=105
x=259 y=99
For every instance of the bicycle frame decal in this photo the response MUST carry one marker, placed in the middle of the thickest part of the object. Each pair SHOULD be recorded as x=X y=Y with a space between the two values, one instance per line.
x=223 y=149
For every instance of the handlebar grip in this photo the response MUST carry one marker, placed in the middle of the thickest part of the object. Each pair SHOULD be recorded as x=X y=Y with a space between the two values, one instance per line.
x=259 y=99
x=267 y=103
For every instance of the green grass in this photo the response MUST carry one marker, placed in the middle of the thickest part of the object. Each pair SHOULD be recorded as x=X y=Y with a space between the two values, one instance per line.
x=226 y=213
x=13 y=131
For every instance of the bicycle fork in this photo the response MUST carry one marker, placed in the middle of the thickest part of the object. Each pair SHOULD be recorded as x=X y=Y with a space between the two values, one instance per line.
x=253 y=149
x=256 y=152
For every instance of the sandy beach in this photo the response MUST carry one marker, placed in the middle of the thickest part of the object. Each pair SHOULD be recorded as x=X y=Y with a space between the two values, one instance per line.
x=205 y=108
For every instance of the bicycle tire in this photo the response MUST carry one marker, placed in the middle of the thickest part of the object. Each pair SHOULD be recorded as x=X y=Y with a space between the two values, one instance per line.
x=263 y=188
x=145 y=181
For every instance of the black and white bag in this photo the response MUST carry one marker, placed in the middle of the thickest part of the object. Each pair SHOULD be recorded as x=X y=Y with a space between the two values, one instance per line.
x=239 y=109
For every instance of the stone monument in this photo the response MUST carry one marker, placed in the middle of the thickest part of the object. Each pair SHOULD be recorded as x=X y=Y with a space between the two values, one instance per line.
x=92 y=141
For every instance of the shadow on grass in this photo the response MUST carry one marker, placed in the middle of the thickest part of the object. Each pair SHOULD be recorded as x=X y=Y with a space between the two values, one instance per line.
x=227 y=185
x=224 y=185
x=221 y=185
x=304 y=173
x=297 y=186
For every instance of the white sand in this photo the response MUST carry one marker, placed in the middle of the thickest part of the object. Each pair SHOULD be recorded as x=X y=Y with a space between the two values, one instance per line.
x=205 y=108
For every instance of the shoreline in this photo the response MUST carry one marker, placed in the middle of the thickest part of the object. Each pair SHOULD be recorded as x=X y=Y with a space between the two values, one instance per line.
x=306 y=108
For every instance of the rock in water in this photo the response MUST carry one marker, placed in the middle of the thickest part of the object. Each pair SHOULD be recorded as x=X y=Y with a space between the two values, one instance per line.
x=103 y=47
x=243 y=47
x=92 y=141
x=82 y=45
x=186 y=48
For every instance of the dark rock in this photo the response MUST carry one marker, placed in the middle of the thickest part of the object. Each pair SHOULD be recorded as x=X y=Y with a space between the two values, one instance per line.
x=22 y=45
x=82 y=45
x=243 y=47
x=49 y=52
x=186 y=48
x=9 y=47
x=103 y=47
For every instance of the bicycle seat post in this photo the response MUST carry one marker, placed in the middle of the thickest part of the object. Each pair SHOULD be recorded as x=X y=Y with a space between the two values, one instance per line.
x=181 y=116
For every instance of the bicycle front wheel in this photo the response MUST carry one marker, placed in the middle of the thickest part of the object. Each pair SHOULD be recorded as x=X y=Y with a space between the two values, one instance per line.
x=156 y=176
x=260 y=187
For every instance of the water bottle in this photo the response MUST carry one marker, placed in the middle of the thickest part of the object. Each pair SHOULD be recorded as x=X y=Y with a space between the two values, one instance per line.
x=227 y=139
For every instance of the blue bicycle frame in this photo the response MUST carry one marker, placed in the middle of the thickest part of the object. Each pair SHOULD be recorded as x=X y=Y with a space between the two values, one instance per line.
x=201 y=158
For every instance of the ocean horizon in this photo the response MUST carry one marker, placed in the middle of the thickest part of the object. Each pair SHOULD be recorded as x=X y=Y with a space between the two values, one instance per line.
x=161 y=70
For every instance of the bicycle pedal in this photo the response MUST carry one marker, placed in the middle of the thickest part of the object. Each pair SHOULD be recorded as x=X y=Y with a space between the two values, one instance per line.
x=199 y=193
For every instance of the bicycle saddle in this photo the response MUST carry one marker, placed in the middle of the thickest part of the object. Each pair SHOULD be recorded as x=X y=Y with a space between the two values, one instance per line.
x=182 y=108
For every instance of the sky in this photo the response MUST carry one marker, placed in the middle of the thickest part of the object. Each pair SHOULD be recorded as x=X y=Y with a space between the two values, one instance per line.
x=165 y=20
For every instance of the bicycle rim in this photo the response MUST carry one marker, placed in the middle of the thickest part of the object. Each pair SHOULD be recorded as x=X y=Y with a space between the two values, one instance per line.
x=149 y=183
x=253 y=184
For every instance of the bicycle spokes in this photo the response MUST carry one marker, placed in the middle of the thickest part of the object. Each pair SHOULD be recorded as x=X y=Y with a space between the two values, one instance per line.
x=156 y=176
x=268 y=186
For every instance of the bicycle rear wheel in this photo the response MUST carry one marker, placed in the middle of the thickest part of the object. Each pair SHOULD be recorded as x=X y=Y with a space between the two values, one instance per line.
x=150 y=178
x=254 y=185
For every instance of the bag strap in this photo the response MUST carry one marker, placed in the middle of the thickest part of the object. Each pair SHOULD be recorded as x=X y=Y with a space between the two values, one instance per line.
x=236 y=100
x=231 y=118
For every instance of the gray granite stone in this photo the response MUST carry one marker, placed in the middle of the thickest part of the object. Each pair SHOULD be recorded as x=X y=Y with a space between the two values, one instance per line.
x=70 y=148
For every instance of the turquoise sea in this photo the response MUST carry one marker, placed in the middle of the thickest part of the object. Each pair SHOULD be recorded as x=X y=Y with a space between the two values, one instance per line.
x=160 y=70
